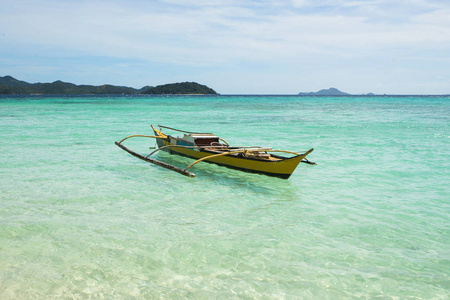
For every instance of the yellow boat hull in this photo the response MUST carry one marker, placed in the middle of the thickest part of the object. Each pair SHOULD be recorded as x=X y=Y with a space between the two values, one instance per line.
x=278 y=166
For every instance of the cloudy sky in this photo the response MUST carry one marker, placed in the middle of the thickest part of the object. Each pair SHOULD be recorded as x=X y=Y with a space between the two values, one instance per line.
x=233 y=46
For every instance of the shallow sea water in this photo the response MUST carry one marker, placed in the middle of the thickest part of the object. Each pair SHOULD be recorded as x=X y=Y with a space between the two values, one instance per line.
x=80 y=218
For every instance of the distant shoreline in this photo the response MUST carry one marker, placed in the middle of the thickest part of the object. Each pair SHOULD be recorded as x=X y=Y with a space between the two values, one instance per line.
x=207 y=95
x=9 y=86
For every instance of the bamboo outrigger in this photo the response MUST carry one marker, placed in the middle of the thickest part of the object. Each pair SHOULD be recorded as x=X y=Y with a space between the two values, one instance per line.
x=210 y=148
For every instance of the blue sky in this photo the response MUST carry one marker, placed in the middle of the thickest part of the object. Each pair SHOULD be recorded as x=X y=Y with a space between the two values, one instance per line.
x=234 y=47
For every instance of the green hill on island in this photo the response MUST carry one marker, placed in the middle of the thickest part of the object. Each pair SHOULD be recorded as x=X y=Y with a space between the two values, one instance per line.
x=11 y=86
x=183 y=88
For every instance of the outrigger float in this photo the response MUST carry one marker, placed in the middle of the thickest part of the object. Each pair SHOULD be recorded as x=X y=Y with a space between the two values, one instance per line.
x=210 y=148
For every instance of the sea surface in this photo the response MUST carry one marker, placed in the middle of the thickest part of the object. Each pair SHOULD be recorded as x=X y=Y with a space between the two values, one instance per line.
x=82 y=219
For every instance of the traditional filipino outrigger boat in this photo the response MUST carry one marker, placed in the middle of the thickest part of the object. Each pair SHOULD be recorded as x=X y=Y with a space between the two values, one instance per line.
x=210 y=148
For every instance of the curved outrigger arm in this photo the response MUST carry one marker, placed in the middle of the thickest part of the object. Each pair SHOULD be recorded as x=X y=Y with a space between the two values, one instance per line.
x=156 y=162
x=141 y=135
x=212 y=156
x=150 y=160
x=160 y=163
x=220 y=139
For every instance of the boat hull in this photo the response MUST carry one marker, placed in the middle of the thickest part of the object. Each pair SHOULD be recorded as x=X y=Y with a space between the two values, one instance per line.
x=281 y=168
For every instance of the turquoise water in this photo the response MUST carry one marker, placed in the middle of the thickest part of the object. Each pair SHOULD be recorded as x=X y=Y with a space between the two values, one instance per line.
x=80 y=218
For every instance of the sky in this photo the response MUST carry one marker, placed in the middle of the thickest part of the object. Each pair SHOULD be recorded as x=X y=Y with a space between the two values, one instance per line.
x=232 y=46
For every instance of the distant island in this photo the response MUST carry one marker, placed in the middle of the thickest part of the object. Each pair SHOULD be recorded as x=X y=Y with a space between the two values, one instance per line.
x=325 y=92
x=330 y=92
x=183 y=88
x=11 y=86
